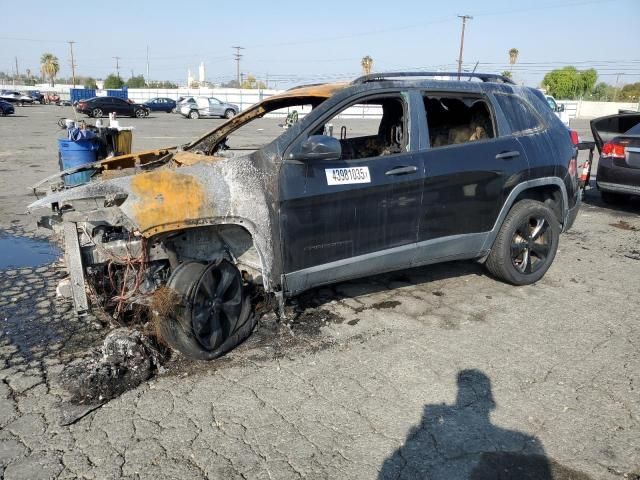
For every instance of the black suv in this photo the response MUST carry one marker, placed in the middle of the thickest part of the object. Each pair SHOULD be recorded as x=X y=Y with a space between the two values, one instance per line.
x=97 y=107
x=388 y=172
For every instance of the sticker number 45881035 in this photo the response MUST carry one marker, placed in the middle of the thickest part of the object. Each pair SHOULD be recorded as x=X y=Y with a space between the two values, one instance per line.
x=345 y=176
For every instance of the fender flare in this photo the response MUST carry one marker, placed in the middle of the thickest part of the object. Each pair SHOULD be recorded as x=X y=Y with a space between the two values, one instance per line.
x=517 y=190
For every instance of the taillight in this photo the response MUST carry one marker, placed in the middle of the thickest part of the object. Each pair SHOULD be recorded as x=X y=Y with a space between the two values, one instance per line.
x=575 y=139
x=613 y=150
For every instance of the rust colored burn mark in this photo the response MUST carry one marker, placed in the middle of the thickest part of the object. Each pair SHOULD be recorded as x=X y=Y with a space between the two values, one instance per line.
x=166 y=200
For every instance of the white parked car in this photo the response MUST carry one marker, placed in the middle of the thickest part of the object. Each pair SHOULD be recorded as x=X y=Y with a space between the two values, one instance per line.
x=208 y=107
x=558 y=109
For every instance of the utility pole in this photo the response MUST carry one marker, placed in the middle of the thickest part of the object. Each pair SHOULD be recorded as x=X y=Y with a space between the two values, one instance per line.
x=117 y=66
x=464 y=23
x=17 y=71
x=615 y=92
x=147 y=63
x=237 y=57
x=73 y=64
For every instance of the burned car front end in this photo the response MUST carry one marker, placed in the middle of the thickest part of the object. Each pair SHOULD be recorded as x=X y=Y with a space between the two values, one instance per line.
x=182 y=231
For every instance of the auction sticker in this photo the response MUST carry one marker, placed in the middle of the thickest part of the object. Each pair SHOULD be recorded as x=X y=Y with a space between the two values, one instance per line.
x=346 y=176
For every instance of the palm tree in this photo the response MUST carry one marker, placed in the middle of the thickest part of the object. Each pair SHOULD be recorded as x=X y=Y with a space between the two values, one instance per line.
x=507 y=74
x=49 y=66
x=367 y=64
x=513 y=57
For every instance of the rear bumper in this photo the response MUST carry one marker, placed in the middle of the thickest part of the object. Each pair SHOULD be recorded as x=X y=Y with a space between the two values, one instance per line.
x=615 y=176
x=618 y=188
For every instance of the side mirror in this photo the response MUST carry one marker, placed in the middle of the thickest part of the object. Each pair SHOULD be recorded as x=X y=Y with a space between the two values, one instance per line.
x=560 y=108
x=318 y=147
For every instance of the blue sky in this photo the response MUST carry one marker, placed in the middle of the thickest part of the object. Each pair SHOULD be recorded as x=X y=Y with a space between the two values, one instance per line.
x=294 y=42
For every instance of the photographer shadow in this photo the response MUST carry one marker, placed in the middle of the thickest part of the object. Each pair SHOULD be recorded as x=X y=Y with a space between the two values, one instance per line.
x=459 y=442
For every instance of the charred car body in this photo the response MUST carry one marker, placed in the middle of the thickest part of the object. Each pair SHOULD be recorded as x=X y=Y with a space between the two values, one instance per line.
x=450 y=170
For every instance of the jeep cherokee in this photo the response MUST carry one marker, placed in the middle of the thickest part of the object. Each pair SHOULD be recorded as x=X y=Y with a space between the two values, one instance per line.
x=447 y=170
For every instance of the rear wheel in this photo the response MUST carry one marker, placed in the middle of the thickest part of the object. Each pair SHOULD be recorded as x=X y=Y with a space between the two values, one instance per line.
x=526 y=244
x=194 y=115
x=96 y=113
x=215 y=313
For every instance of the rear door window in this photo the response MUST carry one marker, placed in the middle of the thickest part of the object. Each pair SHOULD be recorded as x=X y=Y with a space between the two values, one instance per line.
x=457 y=119
x=520 y=115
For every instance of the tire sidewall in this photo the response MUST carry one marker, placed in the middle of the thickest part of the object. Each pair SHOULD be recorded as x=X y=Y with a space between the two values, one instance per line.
x=515 y=218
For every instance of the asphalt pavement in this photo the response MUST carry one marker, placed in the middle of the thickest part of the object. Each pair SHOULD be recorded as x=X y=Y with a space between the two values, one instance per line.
x=436 y=372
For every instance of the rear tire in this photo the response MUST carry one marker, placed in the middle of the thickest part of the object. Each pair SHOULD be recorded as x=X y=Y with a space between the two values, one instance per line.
x=96 y=113
x=526 y=244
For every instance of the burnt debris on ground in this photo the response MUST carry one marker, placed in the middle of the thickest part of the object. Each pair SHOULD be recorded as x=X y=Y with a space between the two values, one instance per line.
x=125 y=360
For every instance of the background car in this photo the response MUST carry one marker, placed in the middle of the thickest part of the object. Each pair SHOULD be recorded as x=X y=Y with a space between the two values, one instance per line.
x=6 y=108
x=181 y=101
x=99 y=106
x=558 y=109
x=16 y=97
x=36 y=95
x=617 y=138
x=208 y=107
x=161 y=104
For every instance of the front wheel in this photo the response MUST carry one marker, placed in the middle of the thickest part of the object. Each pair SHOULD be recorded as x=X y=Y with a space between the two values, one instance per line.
x=214 y=314
x=194 y=115
x=229 y=113
x=526 y=244
x=140 y=113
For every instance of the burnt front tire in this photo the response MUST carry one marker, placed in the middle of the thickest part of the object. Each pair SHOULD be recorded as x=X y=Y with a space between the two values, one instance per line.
x=215 y=314
x=526 y=244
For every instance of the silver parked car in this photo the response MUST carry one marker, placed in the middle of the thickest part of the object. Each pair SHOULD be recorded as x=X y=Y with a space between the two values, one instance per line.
x=208 y=107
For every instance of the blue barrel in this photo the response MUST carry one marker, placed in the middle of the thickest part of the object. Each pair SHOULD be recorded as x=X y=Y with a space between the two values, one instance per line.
x=74 y=154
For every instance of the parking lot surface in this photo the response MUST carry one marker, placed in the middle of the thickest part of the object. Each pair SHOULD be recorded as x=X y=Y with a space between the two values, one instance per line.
x=435 y=372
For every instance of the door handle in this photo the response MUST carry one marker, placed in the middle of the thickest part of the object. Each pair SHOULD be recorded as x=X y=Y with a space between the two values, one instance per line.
x=507 y=155
x=402 y=170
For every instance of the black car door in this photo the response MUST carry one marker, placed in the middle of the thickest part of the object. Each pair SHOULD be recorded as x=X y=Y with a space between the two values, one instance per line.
x=122 y=107
x=469 y=167
x=354 y=210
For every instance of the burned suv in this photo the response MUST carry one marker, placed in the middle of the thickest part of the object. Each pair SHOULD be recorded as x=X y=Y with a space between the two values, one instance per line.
x=387 y=172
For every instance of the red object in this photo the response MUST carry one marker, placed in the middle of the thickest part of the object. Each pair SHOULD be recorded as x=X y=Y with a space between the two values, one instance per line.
x=613 y=150
x=584 y=175
x=574 y=137
x=573 y=167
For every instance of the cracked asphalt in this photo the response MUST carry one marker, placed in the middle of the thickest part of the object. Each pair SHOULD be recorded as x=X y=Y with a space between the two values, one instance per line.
x=437 y=372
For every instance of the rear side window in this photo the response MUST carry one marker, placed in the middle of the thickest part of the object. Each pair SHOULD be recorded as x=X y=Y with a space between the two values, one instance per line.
x=453 y=120
x=519 y=114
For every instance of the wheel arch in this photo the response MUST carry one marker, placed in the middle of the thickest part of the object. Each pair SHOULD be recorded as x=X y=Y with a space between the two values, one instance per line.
x=546 y=189
x=237 y=237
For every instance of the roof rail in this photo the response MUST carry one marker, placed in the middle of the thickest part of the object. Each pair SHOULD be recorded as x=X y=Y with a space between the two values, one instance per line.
x=485 y=77
x=304 y=86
